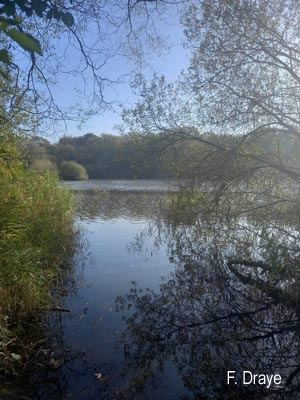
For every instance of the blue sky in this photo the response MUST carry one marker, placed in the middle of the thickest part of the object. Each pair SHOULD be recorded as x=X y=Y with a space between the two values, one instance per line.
x=170 y=62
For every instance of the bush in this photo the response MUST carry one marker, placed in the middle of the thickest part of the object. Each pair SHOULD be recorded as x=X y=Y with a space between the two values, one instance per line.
x=36 y=225
x=43 y=165
x=72 y=171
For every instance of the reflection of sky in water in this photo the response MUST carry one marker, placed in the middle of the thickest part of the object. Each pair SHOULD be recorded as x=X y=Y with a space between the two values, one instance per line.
x=110 y=222
x=124 y=244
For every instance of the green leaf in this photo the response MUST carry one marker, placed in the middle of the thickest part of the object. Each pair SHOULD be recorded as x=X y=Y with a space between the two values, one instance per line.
x=15 y=356
x=4 y=56
x=39 y=7
x=9 y=8
x=11 y=21
x=67 y=19
x=53 y=13
x=49 y=14
x=25 y=40
x=6 y=77
x=3 y=25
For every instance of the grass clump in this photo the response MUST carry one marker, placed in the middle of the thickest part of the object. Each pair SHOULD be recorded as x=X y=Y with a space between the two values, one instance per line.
x=36 y=219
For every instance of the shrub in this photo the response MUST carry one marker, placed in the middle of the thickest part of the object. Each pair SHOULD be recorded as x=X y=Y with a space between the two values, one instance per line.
x=71 y=170
x=36 y=225
x=43 y=165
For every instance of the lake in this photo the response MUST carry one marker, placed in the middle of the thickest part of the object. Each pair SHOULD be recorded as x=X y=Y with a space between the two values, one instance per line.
x=162 y=310
x=110 y=214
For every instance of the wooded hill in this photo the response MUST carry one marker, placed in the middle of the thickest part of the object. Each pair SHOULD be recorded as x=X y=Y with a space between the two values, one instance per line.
x=139 y=157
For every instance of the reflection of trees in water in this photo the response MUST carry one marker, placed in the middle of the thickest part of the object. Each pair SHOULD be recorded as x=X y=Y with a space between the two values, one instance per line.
x=51 y=370
x=117 y=204
x=232 y=303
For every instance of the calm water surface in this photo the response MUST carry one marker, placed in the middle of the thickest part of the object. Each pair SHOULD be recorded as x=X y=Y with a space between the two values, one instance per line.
x=111 y=214
x=199 y=296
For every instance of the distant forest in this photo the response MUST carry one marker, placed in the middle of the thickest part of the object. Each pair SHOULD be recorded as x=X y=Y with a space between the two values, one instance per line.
x=138 y=157
x=107 y=156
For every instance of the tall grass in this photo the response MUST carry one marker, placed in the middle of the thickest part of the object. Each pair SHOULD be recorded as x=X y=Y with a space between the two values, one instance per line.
x=36 y=218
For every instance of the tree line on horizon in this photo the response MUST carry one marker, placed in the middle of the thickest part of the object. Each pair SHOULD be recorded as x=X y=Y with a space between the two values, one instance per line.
x=128 y=156
x=103 y=157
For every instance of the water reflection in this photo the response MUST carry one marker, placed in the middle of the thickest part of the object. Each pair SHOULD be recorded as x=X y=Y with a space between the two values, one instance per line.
x=232 y=303
x=113 y=205
x=229 y=300
x=49 y=372
x=145 y=185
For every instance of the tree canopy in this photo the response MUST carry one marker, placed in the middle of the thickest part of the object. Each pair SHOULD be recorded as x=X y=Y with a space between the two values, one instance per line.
x=43 y=41
x=243 y=80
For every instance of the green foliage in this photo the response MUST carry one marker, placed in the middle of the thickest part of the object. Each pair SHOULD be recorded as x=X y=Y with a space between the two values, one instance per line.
x=4 y=56
x=25 y=40
x=117 y=157
x=186 y=205
x=13 y=27
x=43 y=165
x=72 y=171
x=205 y=157
x=35 y=233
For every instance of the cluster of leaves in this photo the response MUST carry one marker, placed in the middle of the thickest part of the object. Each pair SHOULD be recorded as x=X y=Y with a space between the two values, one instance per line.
x=12 y=16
